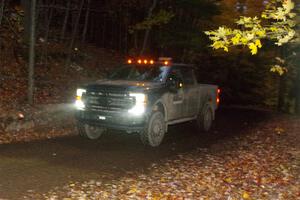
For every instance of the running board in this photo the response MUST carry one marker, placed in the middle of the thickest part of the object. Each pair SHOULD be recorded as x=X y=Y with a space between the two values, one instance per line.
x=177 y=121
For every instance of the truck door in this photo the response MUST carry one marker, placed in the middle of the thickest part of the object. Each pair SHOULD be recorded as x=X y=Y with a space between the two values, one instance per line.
x=175 y=98
x=191 y=92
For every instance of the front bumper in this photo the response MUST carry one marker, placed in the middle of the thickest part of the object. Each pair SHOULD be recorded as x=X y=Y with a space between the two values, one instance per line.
x=119 y=121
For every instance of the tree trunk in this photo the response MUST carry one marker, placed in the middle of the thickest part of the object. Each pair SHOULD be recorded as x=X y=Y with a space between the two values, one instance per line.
x=120 y=32
x=146 y=36
x=126 y=39
x=31 y=54
x=103 y=32
x=135 y=42
x=74 y=34
x=297 y=88
x=126 y=21
x=297 y=99
x=113 y=37
x=38 y=13
x=86 y=21
x=92 y=30
x=49 y=19
x=26 y=4
x=1 y=11
x=63 y=30
x=281 y=94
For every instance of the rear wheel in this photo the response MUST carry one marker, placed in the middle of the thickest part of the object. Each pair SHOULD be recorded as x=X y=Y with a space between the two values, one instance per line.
x=155 y=130
x=205 y=119
x=90 y=132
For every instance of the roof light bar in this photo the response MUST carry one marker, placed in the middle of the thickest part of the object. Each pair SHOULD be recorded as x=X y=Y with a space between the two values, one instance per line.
x=163 y=60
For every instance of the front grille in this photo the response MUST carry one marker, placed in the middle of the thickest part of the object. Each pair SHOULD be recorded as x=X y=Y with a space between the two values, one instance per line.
x=108 y=101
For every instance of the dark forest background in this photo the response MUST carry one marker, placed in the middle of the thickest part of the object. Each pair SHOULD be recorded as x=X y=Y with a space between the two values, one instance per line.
x=80 y=40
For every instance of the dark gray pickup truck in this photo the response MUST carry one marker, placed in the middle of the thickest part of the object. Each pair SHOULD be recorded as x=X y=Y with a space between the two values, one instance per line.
x=145 y=97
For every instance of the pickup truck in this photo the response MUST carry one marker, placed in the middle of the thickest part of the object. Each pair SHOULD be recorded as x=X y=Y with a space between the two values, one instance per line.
x=145 y=96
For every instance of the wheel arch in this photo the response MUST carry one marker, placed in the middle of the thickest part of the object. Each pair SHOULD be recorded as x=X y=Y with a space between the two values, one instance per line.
x=208 y=104
x=160 y=106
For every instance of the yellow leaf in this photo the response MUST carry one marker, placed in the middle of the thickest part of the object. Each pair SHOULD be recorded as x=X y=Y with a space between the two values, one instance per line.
x=246 y=195
x=288 y=5
x=264 y=16
x=228 y=180
x=132 y=190
x=292 y=15
x=249 y=36
x=279 y=130
x=261 y=33
x=279 y=69
x=244 y=40
x=253 y=48
x=157 y=196
x=217 y=45
x=274 y=29
x=236 y=39
x=258 y=43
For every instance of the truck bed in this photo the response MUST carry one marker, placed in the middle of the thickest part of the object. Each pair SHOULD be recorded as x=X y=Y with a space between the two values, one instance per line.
x=208 y=93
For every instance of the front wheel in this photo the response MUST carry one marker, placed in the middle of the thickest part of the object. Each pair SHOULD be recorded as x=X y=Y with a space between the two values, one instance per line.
x=155 y=130
x=90 y=132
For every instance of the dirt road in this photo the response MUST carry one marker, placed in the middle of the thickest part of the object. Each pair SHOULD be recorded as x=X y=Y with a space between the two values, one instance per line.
x=40 y=166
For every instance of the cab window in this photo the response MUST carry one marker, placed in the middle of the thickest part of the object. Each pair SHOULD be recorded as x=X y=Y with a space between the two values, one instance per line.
x=188 y=76
x=175 y=73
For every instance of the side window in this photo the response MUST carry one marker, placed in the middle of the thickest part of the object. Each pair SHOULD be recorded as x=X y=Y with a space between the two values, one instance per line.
x=175 y=73
x=188 y=76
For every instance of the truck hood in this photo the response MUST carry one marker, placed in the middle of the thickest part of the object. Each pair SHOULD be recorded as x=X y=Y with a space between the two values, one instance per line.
x=123 y=85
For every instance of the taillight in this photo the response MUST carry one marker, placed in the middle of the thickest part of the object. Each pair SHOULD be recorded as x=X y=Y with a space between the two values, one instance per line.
x=218 y=96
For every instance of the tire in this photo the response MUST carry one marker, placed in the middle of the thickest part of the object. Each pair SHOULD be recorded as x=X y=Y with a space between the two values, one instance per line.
x=154 y=131
x=205 y=119
x=90 y=132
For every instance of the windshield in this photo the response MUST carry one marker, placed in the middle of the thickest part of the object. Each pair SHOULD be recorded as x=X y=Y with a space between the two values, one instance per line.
x=152 y=73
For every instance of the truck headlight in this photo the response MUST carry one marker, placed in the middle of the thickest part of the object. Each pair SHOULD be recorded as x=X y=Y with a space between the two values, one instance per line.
x=79 y=104
x=140 y=103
